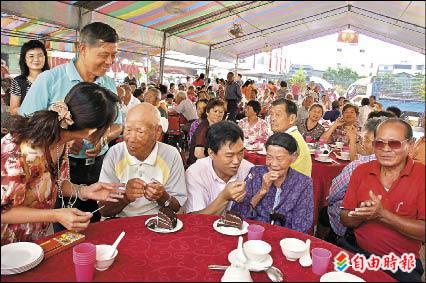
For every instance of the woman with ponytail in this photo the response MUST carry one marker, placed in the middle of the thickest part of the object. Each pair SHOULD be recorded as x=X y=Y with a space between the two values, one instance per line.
x=35 y=166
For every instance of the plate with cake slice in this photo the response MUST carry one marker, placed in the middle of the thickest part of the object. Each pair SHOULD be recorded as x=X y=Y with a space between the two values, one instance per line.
x=164 y=222
x=231 y=223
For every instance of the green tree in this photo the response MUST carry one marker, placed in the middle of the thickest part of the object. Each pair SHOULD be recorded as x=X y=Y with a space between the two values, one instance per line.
x=419 y=85
x=299 y=78
x=340 y=77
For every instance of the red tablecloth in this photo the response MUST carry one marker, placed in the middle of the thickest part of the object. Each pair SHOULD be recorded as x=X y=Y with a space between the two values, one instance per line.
x=322 y=175
x=181 y=256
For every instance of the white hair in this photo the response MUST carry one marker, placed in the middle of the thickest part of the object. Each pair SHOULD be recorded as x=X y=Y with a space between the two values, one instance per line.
x=181 y=94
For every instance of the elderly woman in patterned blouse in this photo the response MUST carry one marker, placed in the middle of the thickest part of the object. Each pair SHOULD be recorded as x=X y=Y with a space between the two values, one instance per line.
x=255 y=129
x=310 y=127
x=277 y=193
x=340 y=128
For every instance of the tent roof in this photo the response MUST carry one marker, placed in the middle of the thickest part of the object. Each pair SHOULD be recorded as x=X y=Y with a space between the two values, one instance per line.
x=192 y=26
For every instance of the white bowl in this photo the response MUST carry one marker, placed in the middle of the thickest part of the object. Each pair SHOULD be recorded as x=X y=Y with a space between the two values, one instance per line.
x=257 y=250
x=102 y=251
x=293 y=248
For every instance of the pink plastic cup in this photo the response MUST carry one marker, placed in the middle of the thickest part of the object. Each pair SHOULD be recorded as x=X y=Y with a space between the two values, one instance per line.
x=308 y=139
x=320 y=260
x=84 y=258
x=255 y=232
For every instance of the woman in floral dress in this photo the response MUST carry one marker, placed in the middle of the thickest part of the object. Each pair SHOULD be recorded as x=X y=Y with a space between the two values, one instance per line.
x=35 y=167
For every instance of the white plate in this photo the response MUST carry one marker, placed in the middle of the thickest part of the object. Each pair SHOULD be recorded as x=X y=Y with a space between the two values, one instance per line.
x=231 y=231
x=20 y=257
x=251 y=265
x=179 y=225
x=339 y=276
x=328 y=160
x=22 y=269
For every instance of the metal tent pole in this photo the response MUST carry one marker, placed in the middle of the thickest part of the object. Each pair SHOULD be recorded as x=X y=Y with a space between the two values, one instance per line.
x=163 y=57
x=208 y=62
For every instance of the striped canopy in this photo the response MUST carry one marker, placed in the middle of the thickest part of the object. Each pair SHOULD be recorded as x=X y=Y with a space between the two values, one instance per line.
x=192 y=27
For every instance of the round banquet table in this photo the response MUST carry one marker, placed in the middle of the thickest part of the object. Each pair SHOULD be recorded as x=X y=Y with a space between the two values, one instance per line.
x=322 y=176
x=144 y=255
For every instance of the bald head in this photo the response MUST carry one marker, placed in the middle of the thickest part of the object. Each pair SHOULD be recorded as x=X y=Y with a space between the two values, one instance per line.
x=144 y=113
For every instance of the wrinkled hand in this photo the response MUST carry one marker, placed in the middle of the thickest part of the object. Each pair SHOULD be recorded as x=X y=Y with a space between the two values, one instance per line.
x=93 y=152
x=75 y=146
x=103 y=192
x=72 y=218
x=339 y=122
x=370 y=209
x=351 y=132
x=269 y=178
x=154 y=191
x=235 y=191
x=135 y=189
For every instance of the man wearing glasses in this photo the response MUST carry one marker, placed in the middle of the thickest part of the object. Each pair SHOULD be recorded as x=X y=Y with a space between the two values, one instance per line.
x=385 y=200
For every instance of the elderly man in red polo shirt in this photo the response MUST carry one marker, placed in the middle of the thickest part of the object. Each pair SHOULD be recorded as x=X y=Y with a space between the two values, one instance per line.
x=385 y=200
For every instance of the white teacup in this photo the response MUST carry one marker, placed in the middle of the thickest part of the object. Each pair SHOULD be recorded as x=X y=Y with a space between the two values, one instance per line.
x=345 y=155
x=257 y=250
x=339 y=144
x=236 y=274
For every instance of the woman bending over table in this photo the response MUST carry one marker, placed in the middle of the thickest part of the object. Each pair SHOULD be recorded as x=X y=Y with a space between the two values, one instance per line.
x=35 y=166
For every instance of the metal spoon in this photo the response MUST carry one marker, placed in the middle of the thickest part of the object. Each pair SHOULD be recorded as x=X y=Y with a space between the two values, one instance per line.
x=275 y=274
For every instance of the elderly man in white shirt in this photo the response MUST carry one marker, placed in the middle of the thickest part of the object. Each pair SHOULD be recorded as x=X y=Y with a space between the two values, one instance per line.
x=216 y=181
x=153 y=171
x=185 y=107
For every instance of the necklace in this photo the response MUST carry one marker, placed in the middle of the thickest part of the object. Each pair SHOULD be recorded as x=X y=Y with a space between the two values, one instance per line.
x=59 y=179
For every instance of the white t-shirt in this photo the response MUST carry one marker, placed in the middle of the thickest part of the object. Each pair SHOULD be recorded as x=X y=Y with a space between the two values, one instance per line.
x=164 y=164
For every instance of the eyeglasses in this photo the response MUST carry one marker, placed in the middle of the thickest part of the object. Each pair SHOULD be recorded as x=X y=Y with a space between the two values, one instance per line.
x=393 y=144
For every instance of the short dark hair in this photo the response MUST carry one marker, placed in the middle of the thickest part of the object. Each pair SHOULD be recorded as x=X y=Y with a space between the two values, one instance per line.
x=377 y=114
x=365 y=101
x=335 y=104
x=408 y=129
x=137 y=92
x=172 y=85
x=354 y=107
x=240 y=75
x=341 y=97
x=373 y=96
x=291 y=107
x=316 y=105
x=90 y=105
x=255 y=105
x=170 y=95
x=395 y=110
x=283 y=84
x=212 y=104
x=221 y=133
x=97 y=32
x=27 y=46
x=283 y=140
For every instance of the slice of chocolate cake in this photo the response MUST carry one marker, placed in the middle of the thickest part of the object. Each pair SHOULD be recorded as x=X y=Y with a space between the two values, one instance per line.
x=166 y=218
x=231 y=219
